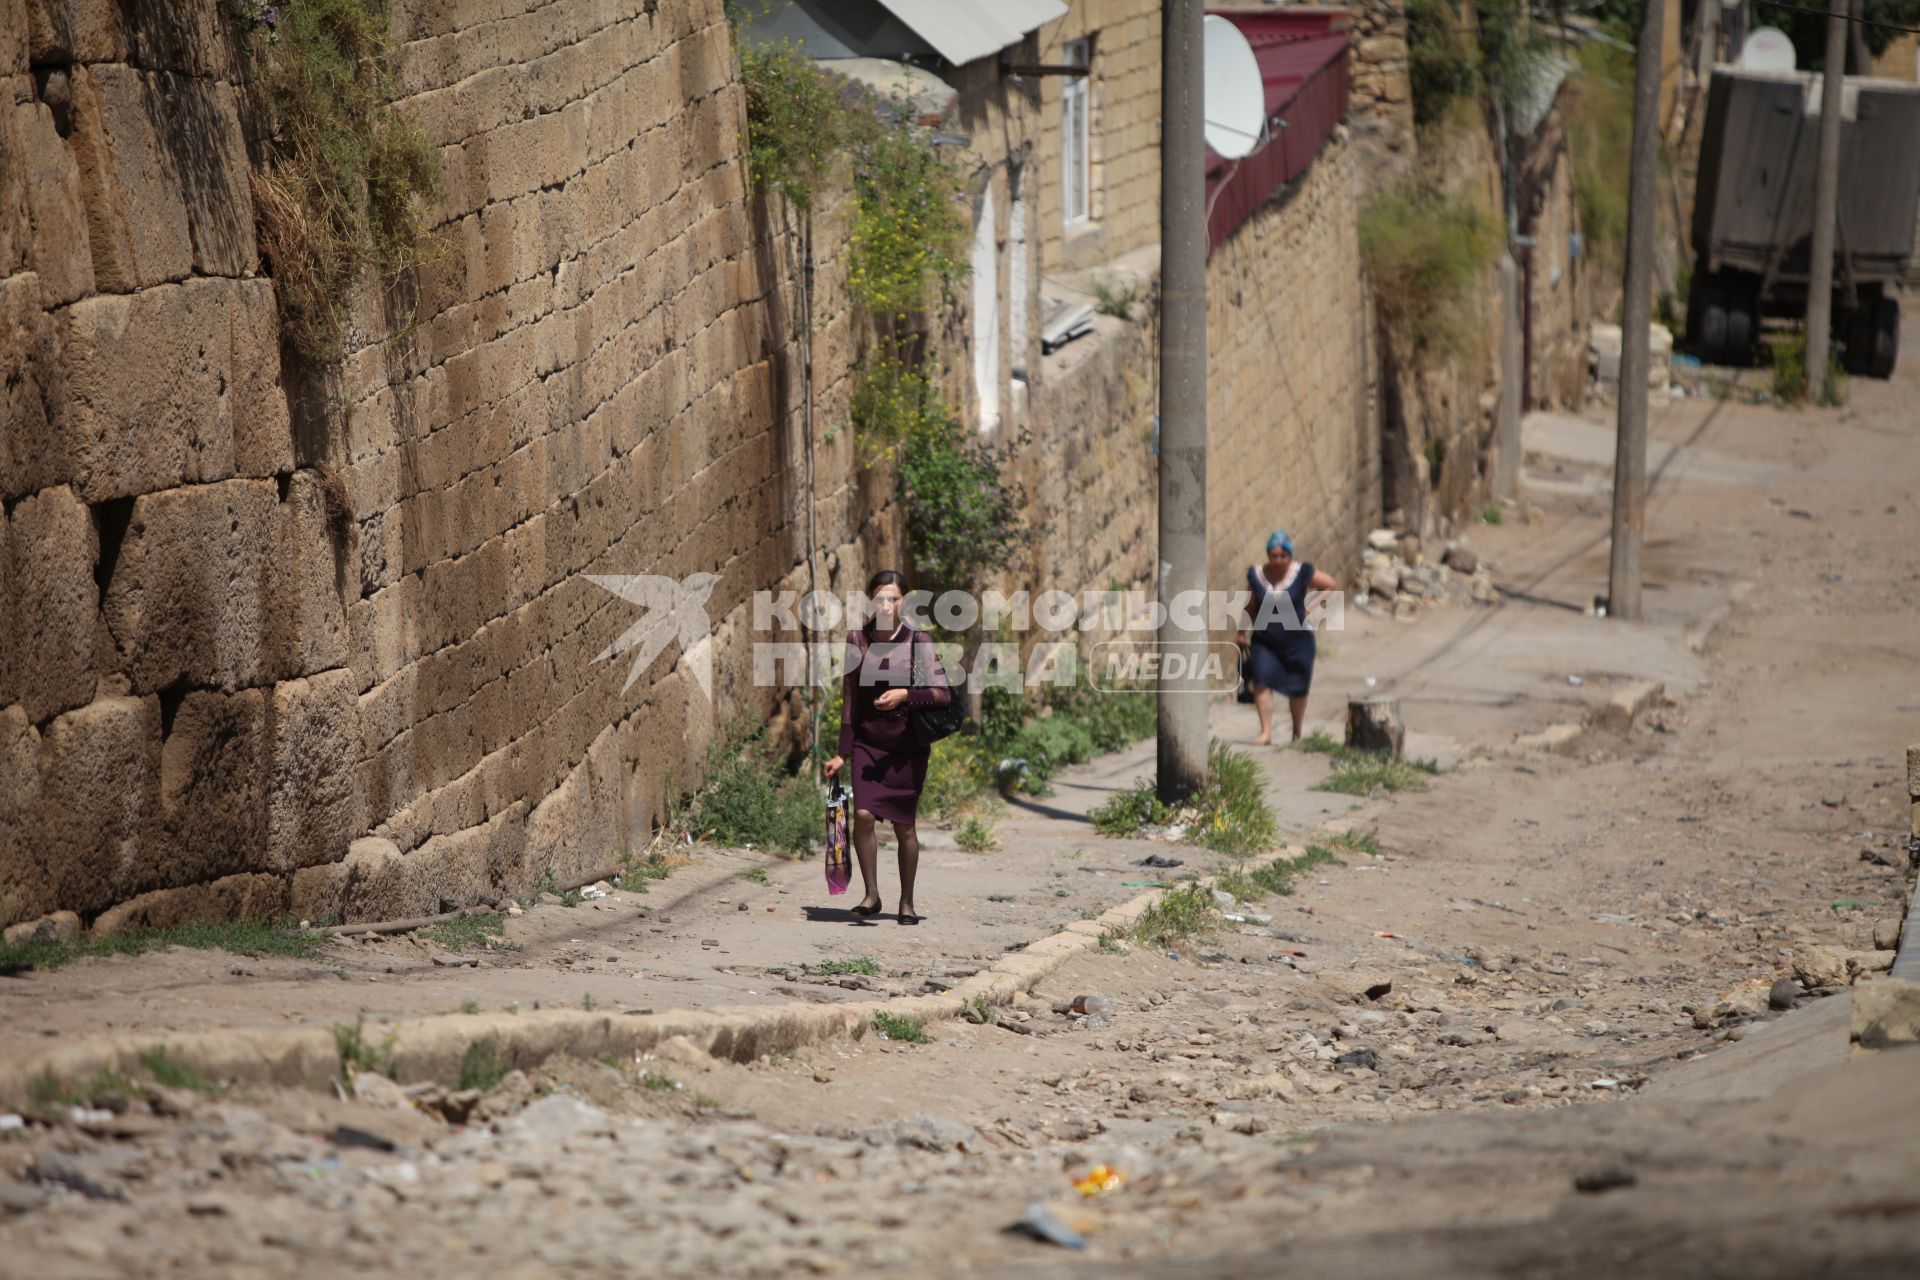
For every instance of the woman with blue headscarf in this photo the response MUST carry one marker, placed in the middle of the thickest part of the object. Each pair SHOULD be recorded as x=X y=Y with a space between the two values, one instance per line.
x=1279 y=643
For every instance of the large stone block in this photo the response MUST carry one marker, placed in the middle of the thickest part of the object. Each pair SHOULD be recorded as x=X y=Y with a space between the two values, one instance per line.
x=214 y=772
x=313 y=552
x=193 y=593
x=26 y=890
x=40 y=194
x=154 y=389
x=462 y=868
x=136 y=214
x=383 y=884
x=313 y=802
x=66 y=31
x=99 y=775
x=241 y=897
x=53 y=604
x=30 y=454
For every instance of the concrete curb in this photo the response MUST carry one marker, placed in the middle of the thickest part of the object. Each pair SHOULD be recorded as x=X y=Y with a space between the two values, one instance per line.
x=1614 y=717
x=432 y=1049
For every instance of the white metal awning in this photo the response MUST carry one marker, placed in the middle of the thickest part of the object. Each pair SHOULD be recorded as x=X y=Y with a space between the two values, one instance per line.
x=962 y=30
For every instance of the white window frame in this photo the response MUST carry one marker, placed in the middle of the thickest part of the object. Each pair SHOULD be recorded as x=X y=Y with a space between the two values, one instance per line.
x=1076 y=161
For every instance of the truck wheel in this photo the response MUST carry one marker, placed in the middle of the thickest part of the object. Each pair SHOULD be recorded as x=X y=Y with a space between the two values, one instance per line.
x=1886 y=337
x=1856 y=354
x=1711 y=340
x=1739 y=329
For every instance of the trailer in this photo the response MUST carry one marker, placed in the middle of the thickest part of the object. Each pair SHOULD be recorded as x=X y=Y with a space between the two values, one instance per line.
x=1753 y=212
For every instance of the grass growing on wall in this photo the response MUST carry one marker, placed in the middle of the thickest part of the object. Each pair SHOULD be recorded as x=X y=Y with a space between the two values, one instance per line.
x=1425 y=253
x=796 y=125
x=1600 y=143
x=346 y=185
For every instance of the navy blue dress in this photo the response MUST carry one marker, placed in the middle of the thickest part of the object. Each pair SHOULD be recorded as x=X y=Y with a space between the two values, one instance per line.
x=1281 y=657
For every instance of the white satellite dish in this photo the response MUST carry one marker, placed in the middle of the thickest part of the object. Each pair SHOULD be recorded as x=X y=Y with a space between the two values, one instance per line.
x=1767 y=49
x=1236 y=101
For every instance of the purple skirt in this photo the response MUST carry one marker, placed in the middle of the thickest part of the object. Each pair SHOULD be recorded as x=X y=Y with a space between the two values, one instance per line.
x=888 y=768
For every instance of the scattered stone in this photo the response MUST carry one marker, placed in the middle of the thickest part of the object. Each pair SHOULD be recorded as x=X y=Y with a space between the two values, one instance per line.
x=1239 y=1122
x=744 y=907
x=53 y=1169
x=1604 y=1178
x=1878 y=857
x=1820 y=966
x=1362 y=1058
x=1886 y=935
x=1040 y=1224
x=347 y=1136
x=61 y=926
x=1785 y=991
x=559 y=1118
x=457 y=962
x=375 y=1090
x=1224 y=900
x=21 y=1197
x=1461 y=559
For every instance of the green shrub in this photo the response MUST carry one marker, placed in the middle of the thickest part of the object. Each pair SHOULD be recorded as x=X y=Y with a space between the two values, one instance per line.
x=893 y=1026
x=240 y=937
x=1424 y=255
x=480 y=1066
x=751 y=799
x=909 y=226
x=1789 y=355
x=347 y=184
x=1600 y=144
x=976 y=836
x=796 y=123
x=1443 y=65
x=963 y=516
x=1180 y=914
x=1229 y=813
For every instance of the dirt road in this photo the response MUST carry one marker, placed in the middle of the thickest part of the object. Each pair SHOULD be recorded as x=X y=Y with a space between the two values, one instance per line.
x=1566 y=957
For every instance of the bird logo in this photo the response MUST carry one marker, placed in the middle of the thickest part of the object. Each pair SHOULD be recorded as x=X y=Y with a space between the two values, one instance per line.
x=670 y=607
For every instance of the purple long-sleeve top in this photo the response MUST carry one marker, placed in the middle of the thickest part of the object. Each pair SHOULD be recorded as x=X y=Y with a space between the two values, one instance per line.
x=873 y=667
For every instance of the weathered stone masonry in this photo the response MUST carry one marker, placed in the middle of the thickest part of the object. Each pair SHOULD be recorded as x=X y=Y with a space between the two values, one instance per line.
x=241 y=636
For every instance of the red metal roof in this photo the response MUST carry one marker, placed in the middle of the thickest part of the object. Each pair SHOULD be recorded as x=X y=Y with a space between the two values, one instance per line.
x=1303 y=65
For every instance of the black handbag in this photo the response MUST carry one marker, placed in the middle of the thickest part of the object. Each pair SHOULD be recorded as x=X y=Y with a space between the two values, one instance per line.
x=930 y=724
x=1245 y=692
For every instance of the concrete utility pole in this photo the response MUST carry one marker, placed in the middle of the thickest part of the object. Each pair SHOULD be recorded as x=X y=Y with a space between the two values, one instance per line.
x=1636 y=314
x=1826 y=197
x=1183 y=395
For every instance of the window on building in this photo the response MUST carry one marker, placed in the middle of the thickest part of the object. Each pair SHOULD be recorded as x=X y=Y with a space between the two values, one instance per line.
x=1075 y=162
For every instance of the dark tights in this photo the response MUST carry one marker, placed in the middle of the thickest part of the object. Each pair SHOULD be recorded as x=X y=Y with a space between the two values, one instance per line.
x=866 y=849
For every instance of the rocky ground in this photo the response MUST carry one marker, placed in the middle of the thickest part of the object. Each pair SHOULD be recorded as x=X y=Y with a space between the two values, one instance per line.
x=1521 y=1038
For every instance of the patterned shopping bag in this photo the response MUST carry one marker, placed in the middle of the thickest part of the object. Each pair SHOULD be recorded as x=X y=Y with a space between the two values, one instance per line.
x=839 y=839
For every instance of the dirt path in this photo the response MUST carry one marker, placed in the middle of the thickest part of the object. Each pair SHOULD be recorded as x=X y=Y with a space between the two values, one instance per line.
x=1567 y=955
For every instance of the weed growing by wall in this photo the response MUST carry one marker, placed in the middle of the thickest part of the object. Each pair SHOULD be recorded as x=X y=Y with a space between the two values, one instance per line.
x=796 y=124
x=1424 y=255
x=346 y=183
x=909 y=226
x=1443 y=65
x=1600 y=143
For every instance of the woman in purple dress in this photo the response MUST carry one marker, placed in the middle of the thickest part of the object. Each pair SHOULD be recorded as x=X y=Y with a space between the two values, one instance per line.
x=876 y=736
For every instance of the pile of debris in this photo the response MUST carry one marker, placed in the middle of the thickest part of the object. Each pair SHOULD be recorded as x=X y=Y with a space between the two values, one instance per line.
x=1397 y=580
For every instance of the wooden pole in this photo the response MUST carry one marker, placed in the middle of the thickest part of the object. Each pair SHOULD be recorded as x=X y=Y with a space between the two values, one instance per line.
x=1182 y=754
x=1826 y=199
x=1636 y=314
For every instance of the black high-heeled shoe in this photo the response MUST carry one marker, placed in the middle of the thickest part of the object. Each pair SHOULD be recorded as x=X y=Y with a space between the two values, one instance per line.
x=874 y=910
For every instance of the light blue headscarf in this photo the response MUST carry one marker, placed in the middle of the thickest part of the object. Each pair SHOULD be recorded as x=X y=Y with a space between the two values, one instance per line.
x=1279 y=538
